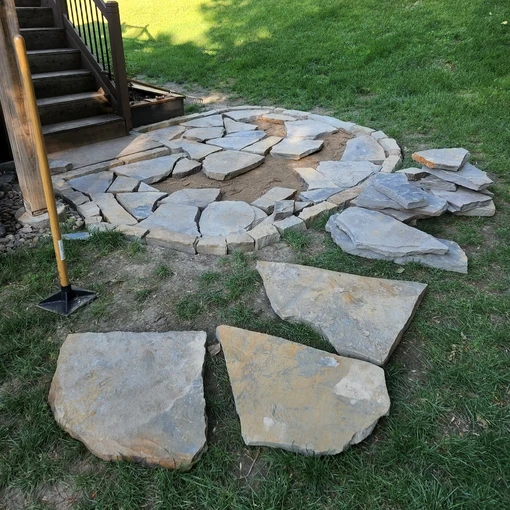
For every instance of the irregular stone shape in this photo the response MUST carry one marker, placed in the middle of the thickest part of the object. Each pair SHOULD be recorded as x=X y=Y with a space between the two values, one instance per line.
x=391 y=163
x=238 y=141
x=267 y=200
x=389 y=145
x=378 y=135
x=228 y=164
x=101 y=226
x=264 y=146
x=246 y=115
x=132 y=232
x=314 y=179
x=372 y=230
x=454 y=260
x=75 y=198
x=468 y=176
x=463 y=199
x=200 y=198
x=309 y=129
x=435 y=207
x=151 y=171
x=174 y=217
x=310 y=214
x=346 y=174
x=364 y=148
x=225 y=218
x=399 y=189
x=93 y=183
x=299 y=206
x=146 y=187
x=337 y=123
x=139 y=144
x=431 y=182
x=92 y=220
x=88 y=209
x=113 y=212
x=197 y=151
x=277 y=118
x=240 y=242
x=362 y=317
x=264 y=235
x=443 y=159
x=184 y=243
x=295 y=148
x=231 y=126
x=203 y=134
x=212 y=246
x=283 y=209
x=480 y=212
x=299 y=114
x=281 y=388
x=131 y=395
x=167 y=134
x=345 y=197
x=185 y=167
x=260 y=216
x=317 y=196
x=361 y=130
x=146 y=155
x=290 y=224
x=57 y=166
x=123 y=184
x=205 y=122
x=140 y=205
x=414 y=174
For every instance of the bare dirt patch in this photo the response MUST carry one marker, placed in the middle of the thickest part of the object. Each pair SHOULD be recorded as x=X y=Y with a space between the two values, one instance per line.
x=273 y=172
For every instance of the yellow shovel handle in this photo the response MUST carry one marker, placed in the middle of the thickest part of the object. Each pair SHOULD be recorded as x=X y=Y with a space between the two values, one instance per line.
x=42 y=158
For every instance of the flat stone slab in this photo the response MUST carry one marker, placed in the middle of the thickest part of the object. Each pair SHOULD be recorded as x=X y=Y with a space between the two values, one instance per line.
x=454 y=260
x=432 y=182
x=232 y=126
x=310 y=129
x=238 y=141
x=264 y=235
x=314 y=179
x=264 y=146
x=246 y=115
x=467 y=176
x=175 y=218
x=267 y=201
x=313 y=213
x=146 y=187
x=139 y=205
x=200 y=198
x=205 y=122
x=399 y=189
x=283 y=209
x=442 y=159
x=203 y=134
x=164 y=238
x=212 y=246
x=123 y=184
x=277 y=118
x=228 y=164
x=463 y=199
x=151 y=171
x=296 y=148
x=197 y=151
x=383 y=234
x=165 y=135
x=282 y=387
x=139 y=144
x=185 y=167
x=133 y=396
x=112 y=210
x=224 y=218
x=414 y=174
x=317 y=196
x=362 y=317
x=482 y=211
x=346 y=174
x=93 y=183
x=364 y=148
x=339 y=124
x=240 y=242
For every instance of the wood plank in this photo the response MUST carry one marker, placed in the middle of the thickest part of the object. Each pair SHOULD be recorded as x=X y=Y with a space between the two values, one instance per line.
x=14 y=109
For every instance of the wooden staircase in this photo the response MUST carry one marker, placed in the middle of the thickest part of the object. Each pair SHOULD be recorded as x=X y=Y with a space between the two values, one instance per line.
x=73 y=109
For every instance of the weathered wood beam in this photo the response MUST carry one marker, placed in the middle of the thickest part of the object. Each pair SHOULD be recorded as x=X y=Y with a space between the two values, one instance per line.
x=15 y=113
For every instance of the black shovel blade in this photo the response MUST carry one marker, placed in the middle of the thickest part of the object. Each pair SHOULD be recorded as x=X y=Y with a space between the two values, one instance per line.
x=67 y=300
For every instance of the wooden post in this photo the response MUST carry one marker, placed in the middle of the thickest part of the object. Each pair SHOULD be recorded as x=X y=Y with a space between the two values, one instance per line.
x=20 y=131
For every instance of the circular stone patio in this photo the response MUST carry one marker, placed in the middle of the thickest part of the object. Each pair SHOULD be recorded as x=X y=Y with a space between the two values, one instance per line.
x=231 y=179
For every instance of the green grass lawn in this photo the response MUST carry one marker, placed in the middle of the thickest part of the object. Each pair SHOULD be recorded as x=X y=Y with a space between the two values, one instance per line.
x=431 y=73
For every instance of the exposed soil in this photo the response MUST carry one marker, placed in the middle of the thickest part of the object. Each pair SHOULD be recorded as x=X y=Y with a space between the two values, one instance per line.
x=273 y=172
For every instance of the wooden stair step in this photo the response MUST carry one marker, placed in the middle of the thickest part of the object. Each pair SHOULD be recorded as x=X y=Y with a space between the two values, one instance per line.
x=56 y=59
x=57 y=83
x=72 y=107
x=35 y=17
x=64 y=135
x=43 y=38
x=27 y=3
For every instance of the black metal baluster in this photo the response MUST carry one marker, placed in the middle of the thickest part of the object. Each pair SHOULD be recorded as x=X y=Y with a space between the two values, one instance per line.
x=76 y=23
x=87 y=25
x=93 y=29
x=80 y=21
x=101 y=40
x=107 y=51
